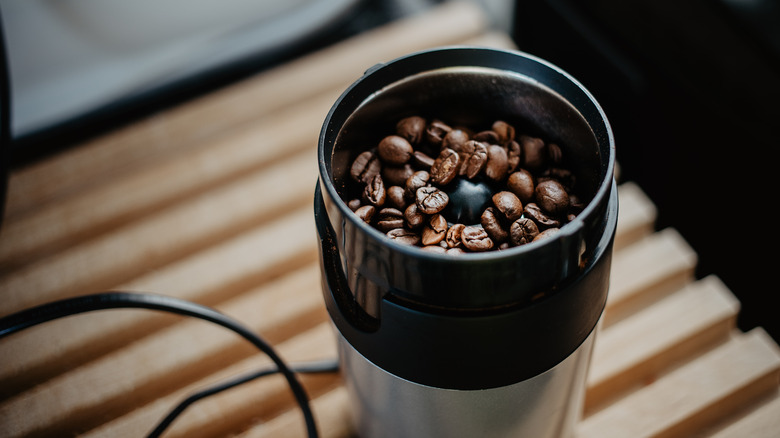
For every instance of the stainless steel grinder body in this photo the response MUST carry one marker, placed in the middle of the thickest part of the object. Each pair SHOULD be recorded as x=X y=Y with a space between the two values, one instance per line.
x=495 y=343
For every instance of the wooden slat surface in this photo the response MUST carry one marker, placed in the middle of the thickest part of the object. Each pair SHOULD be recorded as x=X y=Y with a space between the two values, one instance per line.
x=211 y=202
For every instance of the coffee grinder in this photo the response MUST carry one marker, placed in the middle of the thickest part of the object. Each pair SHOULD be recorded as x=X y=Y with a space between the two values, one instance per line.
x=486 y=344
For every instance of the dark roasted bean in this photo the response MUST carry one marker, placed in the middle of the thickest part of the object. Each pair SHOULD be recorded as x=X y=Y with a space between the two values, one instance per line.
x=436 y=131
x=497 y=163
x=422 y=160
x=411 y=128
x=365 y=167
x=402 y=235
x=435 y=230
x=504 y=130
x=374 y=193
x=445 y=168
x=475 y=238
x=552 y=197
x=508 y=205
x=532 y=211
x=389 y=218
x=555 y=154
x=563 y=176
x=514 y=155
x=434 y=248
x=394 y=149
x=492 y=224
x=474 y=159
x=396 y=175
x=354 y=204
x=431 y=200
x=521 y=183
x=523 y=231
x=546 y=234
x=413 y=216
x=395 y=197
x=453 y=235
x=455 y=140
x=414 y=182
x=534 y=152
x=488 y=137
x=365 y=213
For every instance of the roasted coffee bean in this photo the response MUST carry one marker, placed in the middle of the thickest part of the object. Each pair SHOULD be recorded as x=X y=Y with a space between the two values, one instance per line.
x=354 y=204
x=455 y=140
x=445 y=168
x=534 y=152
x=552 y=197
x=523 y=231
x=521 y=183
x=431 y=200
x=474 y=159
x=394 y=149
x=436 y=131
x=405 y=189
x=417 y=180
x=366 y=213
x=455 y=251
x=413 y=216
x=374 y=193
x=389 y=218
x=422 y=160
x=492 y=224
x=497 y=164
x=508 y=205
x=434 y=248
x=411 y=128
x=532 y=211
x=395 y=197
x=435 y=230
x=514 y=154
x=563 y=176
x=546 y=234
x=402 y=235
x=504 y=130
x=488 y=137
x=396 y=175
x=555 y=154
x=365 y=167
x=575 y=204
x=453 y=236
x=475 y=238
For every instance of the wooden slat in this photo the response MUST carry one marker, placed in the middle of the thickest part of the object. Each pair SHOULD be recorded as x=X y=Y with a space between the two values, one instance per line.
x=152 y=367
x=646 y=271
x=695 y=395
x=762 y=422
x=674 y=329
x=104 y=206
x=164 y=237
x=208 y=277
x=636 y=215
x=174 y=131
x=239 y=407
x=330 y=411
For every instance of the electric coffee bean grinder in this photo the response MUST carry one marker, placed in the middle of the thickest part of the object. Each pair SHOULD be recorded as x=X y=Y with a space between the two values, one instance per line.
x=490 y=344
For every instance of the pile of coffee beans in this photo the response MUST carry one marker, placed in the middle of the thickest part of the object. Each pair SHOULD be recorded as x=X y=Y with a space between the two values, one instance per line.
x=454 y=189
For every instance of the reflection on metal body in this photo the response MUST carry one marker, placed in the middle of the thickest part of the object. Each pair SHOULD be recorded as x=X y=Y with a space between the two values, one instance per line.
x=386 y=406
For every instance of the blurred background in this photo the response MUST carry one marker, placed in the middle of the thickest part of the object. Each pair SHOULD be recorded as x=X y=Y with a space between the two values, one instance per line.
x=691 y=89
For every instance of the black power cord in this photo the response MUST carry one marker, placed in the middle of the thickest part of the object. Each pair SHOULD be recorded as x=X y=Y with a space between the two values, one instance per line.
x=117 y=300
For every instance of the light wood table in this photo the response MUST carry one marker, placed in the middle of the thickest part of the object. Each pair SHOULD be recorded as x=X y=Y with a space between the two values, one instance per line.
x=211 y=201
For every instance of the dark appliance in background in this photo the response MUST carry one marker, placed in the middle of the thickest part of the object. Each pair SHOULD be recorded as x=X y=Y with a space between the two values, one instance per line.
x=691 y=90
